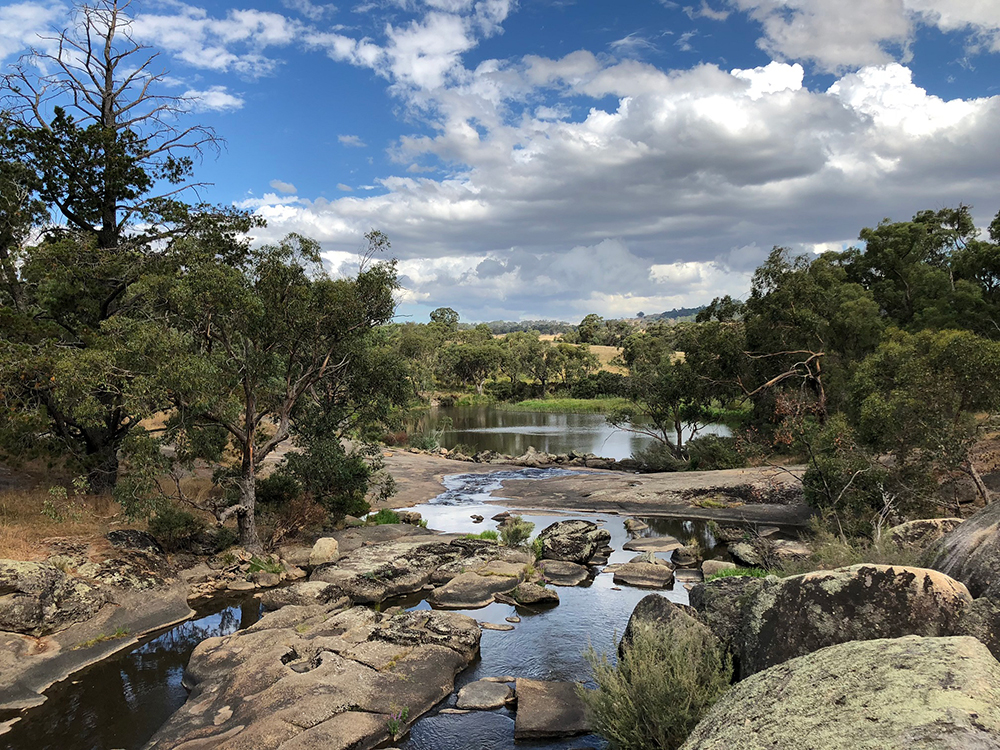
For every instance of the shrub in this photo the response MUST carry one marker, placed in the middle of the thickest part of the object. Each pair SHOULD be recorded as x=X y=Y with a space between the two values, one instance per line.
x=516 y=532
x=538 y=547
x=714 y=452
x=664 y=683
x=383 y=516
x=174 y=528
x=830 y=551
x=424 y=442
x=279 y=489
x=658 y=457
x=489 y=535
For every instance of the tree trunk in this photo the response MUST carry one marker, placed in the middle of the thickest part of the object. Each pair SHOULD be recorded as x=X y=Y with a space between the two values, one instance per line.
x=246 y=517
x=102 y=476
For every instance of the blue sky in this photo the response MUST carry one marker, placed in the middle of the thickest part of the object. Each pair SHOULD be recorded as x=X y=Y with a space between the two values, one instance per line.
x=551 y=158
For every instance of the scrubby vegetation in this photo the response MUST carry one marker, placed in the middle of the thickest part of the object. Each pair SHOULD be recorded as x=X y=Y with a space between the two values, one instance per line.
x=666 y=680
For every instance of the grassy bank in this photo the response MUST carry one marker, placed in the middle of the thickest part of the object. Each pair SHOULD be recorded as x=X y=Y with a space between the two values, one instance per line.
x=567 y=405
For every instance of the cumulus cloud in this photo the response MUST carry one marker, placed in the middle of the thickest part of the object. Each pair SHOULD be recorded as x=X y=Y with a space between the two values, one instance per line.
x=351 y=140
x=22 y=23
x=213 y=99
x=281 y=186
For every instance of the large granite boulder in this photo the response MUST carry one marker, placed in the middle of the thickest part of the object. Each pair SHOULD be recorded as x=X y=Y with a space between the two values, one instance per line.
x=325 y=550
x=560 y=573
x=922 y=533
x=970 y=553
x=314 y=678
x=719 y=605
x=793 y=616
x=908 y=693
x=644 y=575
x=573 y=541
x=658 y=611
x=37 y=598
x=477 y=588
x=134 y=539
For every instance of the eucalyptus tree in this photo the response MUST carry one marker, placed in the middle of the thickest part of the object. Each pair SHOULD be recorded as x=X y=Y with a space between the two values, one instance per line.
x=97 y=143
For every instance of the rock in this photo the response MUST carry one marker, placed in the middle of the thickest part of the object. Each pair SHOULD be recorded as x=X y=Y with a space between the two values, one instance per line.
x=798 y=615
x=719 y=605
x=649 y=557
x=499 y=517
x=548 y=709
x=688 y=575
x=476 y=518
x=301 y=594
x=477 y=589
x=768 y=553
x=890 y=694
x=295 y=555
x=653 y=610
x=573 y=541
x=562 y=573
x=981 y=620
x=36 y=598
x=484 y=695
x=513 y=618
x=633 y=526
x=373 y=573
x=645 y=575
x=240 y=586
x=325 y=550
x=265 y=580
x=134 y=539
x=711 y=567
x=310 y=678
x=970 y=553
x=411 y=517
x=922 y=533
x=686 y=557
x=496 y=626
x=531 y=594
x=294 y=573
x=652 y=544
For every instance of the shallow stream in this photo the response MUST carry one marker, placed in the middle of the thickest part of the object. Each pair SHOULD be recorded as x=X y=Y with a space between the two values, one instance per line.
x=122 y=701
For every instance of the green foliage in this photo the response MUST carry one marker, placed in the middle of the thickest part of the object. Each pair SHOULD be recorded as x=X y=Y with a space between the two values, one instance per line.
x=383 y=516
x=658 y=457
x=666 y=681
x=515 y=532
x=738 y=572
x=830 y=550
x=488 y=535
x=568 y=405
x=538 y=547
x=175 y=528
x=277 y=490
x=710 y=452
x=266 y=565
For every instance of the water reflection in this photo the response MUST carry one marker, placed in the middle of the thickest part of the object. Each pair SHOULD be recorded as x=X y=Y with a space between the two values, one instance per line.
x=121 y=702
x=512 y=432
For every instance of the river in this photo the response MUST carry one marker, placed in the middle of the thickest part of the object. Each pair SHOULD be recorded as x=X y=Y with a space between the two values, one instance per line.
x=119 y=703
x=512 y=432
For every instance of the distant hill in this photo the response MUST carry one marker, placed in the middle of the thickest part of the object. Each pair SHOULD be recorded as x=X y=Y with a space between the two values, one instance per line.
x=678 y=313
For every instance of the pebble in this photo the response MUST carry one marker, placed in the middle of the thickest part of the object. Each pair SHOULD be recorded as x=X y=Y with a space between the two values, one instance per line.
x=495 y=626
x=514 y=619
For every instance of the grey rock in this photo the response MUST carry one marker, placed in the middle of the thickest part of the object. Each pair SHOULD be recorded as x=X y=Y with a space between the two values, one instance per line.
x=970 y=553
x=561 y=573
x=134 y=539
x=711 y=567
x=573 y=541
x=37 y=598
x=644 y=575
x=484 y=695
x=652 y=544
x=922 y=533
x=887 y=694
x=548 y=709
x=656 y=610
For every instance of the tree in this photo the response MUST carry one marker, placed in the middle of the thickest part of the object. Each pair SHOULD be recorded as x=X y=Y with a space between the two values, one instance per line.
x=266 y=336
x=446 y=317
x=91 y=137
x=474 y=363
x=591 y=329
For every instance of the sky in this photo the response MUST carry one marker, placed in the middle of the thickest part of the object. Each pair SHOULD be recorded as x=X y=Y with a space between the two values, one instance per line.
x=553 y=158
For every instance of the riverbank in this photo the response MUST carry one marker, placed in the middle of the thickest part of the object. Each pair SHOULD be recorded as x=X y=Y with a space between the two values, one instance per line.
x=728 y=495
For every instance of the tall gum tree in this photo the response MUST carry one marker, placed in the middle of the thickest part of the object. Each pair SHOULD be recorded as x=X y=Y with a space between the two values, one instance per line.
x=108 y=155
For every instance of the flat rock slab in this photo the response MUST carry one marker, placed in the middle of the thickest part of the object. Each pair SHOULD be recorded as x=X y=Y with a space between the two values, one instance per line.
x=548 y=709
x=472 y=590
x=484 y=695
x=645 y=575
x=561 y=573
x=652 y=544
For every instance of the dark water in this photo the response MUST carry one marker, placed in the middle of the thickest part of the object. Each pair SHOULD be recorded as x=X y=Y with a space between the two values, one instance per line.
x=512 y=432
x=122 y=701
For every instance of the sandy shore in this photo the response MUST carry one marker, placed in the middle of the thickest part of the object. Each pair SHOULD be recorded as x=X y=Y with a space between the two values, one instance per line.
x=419 y=477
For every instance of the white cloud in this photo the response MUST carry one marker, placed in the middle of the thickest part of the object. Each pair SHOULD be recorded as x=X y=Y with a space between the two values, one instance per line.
x=312 y=11
x=213 y=99
x=351 y=140
x=21 y=24
x=344 y=188
x=283 y=187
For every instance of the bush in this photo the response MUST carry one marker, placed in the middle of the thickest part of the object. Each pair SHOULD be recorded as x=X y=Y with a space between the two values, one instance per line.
x=174 y=528
x=383 y=516
x=710 y=452
x=489 y=535
x=658 y=457
x=279 y=489
x=516 y=532
x=665 y=682
x=737 y=572
x=831 y=551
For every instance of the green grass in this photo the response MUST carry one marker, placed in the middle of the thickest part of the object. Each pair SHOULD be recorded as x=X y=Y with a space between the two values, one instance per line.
x=383 y=516
x=489 y=535
x=738 y=572
x=120 y=632
x=567 y=405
